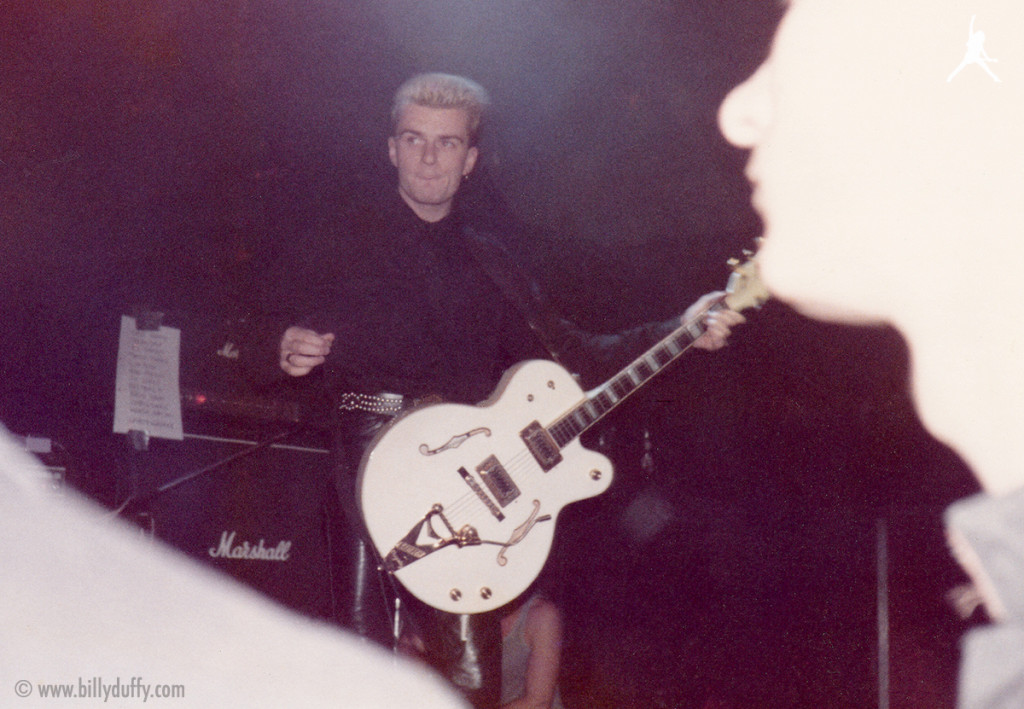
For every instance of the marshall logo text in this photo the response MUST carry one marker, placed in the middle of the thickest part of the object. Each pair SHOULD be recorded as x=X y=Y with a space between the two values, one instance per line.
x=227 y=549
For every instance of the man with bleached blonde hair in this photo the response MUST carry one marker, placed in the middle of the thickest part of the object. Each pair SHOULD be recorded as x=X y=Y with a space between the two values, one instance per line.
x=411 y=298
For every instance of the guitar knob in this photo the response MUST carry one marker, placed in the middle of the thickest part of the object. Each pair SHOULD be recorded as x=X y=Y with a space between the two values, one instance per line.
x=455 y=594
x=485 y=593
x=595 y=474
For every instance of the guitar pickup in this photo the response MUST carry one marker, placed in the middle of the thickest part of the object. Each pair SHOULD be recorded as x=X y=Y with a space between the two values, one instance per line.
x=541 y=445
x=498 y=481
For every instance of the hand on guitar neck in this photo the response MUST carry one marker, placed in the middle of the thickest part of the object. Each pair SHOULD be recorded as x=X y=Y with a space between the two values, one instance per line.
x=715 y=317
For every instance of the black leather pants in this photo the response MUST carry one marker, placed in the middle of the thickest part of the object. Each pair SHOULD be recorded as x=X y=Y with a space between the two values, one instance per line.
x=466 y=649
x=365 y=600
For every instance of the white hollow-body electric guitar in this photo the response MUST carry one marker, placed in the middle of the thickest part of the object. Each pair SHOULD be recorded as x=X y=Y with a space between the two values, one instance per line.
x=461 y=501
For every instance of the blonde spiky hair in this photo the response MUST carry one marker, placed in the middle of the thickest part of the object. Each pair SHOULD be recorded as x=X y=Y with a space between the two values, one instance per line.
x=436 y=90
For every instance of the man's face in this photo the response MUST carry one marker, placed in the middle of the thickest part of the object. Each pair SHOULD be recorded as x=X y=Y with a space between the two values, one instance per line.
x=855 y=166
x=431 y=150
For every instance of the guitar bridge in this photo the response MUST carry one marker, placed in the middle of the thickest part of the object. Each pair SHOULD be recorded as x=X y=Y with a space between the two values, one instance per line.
x=475 y=487
x=541 y=445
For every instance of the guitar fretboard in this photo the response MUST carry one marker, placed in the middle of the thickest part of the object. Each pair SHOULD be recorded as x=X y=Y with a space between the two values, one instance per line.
x=618 y=388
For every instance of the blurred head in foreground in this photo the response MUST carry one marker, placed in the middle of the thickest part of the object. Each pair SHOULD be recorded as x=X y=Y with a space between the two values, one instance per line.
x=887 y=157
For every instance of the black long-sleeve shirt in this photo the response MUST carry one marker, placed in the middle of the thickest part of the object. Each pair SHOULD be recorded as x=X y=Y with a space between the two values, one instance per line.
x=422 y=308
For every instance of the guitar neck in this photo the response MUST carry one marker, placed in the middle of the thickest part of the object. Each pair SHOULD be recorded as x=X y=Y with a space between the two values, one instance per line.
x=603 y=399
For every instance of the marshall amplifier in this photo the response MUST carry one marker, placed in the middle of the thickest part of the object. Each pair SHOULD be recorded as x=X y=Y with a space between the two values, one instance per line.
x=266 y=516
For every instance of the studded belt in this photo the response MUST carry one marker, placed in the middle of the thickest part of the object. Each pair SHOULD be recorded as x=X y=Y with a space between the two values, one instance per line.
x=385 y=404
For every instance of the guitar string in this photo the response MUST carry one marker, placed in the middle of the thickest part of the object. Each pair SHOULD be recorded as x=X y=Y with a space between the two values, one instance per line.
x=468 y=508
x=515 y=468
x=522 y=468
x=464 y=504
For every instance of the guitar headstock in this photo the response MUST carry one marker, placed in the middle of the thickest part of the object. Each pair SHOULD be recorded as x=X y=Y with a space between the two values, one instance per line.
x=745 y=288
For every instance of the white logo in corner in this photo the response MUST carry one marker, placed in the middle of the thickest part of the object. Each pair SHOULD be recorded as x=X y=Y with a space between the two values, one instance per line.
x=976 y=53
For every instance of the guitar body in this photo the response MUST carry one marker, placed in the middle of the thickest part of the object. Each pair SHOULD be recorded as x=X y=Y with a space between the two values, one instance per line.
x=461 y=507
x=461 y=501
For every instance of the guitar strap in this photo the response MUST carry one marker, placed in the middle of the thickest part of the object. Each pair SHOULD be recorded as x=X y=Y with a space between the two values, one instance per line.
x=552 y=331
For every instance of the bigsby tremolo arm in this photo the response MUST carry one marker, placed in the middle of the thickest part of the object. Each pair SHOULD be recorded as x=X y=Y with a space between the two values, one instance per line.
x=410 y=547
x=464 y=537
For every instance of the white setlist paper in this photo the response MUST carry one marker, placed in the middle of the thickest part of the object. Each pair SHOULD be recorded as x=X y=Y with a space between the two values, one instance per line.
x=147 y=396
